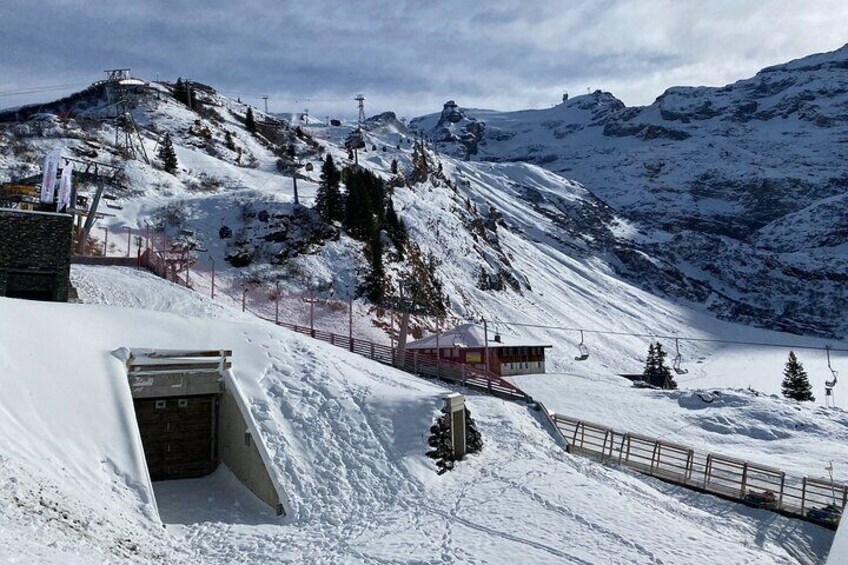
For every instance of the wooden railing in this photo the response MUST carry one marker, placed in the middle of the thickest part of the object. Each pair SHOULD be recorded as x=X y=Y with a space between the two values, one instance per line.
x=155 y=262
x=418 y=363
x=820 y=501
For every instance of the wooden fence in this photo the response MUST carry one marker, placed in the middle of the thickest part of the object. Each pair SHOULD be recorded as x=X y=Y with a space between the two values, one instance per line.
x=418 y=363
x=820 y=501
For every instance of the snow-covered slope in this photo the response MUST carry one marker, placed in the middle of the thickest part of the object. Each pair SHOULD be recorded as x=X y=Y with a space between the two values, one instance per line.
x=745 y=180
x=348 y=439
x=509 y=241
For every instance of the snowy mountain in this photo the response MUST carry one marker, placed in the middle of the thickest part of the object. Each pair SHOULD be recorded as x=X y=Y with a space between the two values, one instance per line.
x=741 y=189
x=507 y=240
x=503 y=236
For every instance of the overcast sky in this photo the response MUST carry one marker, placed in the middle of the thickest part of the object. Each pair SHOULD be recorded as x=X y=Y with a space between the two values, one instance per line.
x=409 y=56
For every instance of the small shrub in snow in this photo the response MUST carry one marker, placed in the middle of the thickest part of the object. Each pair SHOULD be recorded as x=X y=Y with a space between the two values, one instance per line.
x=440 y=441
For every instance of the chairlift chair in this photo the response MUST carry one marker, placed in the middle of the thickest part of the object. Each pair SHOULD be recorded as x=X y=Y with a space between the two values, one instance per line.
x=828 y=385
x=678 y=360
x=583 y=351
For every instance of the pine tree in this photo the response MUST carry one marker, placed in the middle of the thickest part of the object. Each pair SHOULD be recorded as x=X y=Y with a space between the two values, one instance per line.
x=375 y=284
x=249 y=121
x=167 y=155
x=394 y=166
x=358 y=220
x=795 y=384
x=656 y=372
x=395 y=227
x=328 y=199
x=229 y=141
x=420 y=166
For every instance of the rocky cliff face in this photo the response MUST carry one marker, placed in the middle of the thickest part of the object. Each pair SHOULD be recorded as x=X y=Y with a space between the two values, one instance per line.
x=455 y=131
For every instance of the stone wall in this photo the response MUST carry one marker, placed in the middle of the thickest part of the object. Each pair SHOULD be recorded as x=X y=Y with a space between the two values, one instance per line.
x=35 y=254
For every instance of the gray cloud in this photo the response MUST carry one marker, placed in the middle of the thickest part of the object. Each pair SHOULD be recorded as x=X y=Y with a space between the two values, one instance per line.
x=410 y=56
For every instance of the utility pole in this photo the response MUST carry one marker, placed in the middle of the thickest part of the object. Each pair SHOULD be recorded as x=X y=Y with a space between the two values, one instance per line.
x=277 y=303
x=350 y=322
x=311 y=300
x=212 y=261
x=265 y=98
x=404 y=327
x=129 y=240
x=438 y=347
x=486 y=341
x=105 y=240
x=138 y=251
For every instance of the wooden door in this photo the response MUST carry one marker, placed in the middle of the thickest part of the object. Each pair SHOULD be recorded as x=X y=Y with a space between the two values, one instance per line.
x=179 y=435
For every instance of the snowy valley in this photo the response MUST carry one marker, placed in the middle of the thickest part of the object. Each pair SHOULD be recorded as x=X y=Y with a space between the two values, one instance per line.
x=712 y=220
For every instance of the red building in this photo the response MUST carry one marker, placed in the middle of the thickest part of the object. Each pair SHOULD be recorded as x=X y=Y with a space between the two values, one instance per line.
x=467 y=344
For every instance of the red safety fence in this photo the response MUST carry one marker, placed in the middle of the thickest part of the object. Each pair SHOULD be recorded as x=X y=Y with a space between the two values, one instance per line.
x=418 y=363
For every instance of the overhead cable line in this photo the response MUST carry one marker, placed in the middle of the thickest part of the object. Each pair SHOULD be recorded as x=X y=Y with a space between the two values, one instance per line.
x=672 y=337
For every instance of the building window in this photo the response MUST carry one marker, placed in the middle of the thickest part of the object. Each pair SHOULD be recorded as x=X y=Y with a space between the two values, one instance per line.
x=160 y=404
x=183 y=403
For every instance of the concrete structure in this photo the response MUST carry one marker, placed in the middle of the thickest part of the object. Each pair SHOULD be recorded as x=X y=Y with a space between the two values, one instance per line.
x=192 y=417
x=469 y=344
x=35 y=254
x=455 y=409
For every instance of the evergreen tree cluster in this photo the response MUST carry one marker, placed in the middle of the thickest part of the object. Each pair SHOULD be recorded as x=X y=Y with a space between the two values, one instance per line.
x=431 y=298
x=366 y=211
x=656 y=372
x=328 y=199
x=167 y=155
x=420 y=164
x=182 y=92
x=795 y=384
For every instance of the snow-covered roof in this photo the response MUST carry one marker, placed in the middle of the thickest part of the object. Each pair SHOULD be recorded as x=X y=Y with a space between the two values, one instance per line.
x=470 y=335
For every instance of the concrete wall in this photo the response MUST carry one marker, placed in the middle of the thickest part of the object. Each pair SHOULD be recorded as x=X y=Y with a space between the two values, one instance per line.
x=35 y=252
x=238 y=450
x=174 y=384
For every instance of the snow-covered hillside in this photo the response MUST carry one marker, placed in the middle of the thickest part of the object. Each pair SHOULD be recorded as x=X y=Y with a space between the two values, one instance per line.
x=739 y=187
x=347 y=438
x=509 y=239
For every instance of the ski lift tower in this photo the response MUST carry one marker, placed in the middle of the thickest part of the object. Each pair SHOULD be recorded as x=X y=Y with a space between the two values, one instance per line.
x=360 y=98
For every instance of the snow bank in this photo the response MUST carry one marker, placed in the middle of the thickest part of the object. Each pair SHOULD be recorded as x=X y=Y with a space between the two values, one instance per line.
x=347 y=438
x=799 y=438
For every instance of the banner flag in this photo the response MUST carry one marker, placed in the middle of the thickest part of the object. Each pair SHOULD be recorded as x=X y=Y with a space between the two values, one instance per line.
x=65 y=187
x=48 y=182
